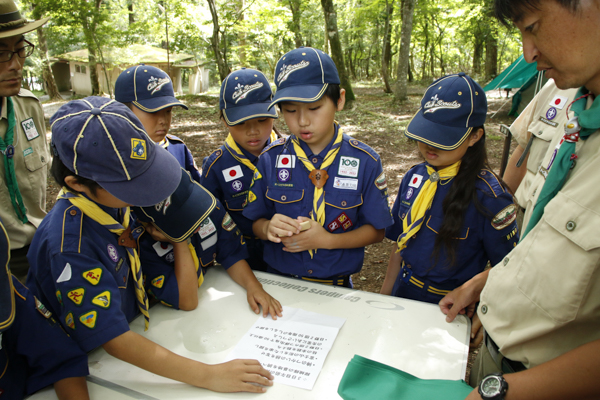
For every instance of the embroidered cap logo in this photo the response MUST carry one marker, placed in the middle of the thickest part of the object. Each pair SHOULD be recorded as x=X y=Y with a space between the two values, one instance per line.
x=155 y=84
x=241 y=91
x=436 y=104
x=286 y=70
x=163 y=205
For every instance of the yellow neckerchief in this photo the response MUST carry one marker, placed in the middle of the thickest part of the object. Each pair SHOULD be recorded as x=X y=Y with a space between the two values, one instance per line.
x=236 y=153
x=318 y=212
x=93 y=211
x=415 y=216
x=163 y=143
x=196 y=263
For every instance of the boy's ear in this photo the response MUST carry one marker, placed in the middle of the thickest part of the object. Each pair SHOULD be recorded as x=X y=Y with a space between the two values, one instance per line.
x=475 y=136
x=341 y=100
x=74 y=184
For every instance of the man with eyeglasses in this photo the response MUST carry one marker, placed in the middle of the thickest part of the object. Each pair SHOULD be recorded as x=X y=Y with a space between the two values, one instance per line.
x=23 y=146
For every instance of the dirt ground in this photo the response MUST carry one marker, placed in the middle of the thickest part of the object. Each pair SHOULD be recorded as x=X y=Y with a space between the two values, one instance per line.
x=374 y=118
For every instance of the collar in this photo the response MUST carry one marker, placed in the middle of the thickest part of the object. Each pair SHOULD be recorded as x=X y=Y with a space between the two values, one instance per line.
x=323 y=153
x=253 y=159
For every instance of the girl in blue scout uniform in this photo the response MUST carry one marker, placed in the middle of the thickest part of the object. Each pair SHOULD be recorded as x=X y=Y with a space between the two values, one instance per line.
x=318 y=175
x=190 y=230
x=227 y=173
x=84 y=260
x=452 y=214
x=34 y=350
x=148 y=92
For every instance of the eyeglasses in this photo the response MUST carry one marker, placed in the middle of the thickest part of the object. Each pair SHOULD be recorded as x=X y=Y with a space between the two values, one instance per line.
x=23 y=52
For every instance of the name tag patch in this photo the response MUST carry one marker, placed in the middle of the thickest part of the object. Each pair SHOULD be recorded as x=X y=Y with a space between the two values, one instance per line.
x=345 y=183
x=211 y=241
x=30 y=129
x=349 y=166
x=207 y=228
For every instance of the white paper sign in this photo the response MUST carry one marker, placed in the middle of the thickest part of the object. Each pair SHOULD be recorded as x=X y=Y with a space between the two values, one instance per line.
x=293 y=348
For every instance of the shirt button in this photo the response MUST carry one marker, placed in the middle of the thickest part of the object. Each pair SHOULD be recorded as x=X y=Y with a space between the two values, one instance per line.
x=571 y=225
x=344 y=203
x=505 y=261
x=315 y=160
x=484 y=309
x=310 y=271
x=283 y=197
x=43 y=159
x=73 y=212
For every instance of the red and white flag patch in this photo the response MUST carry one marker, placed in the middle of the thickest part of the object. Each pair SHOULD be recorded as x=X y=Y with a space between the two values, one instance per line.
x=415 y=181
x=232 y=173
x=559 y=101
x=286 y=161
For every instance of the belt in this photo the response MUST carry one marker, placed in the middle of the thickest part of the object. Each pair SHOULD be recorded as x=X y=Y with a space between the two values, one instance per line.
x=409 y=277
x=342 y=280
x=508 y=366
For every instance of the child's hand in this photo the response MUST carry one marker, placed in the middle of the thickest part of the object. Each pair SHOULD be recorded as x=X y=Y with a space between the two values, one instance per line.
x=239 y=376
x=257 y=296
x=282 y=226
x=310 y=239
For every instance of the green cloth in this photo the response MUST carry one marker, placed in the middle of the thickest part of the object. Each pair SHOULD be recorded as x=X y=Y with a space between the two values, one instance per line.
x=368 y=379
x=589 y=121
x=8 y=151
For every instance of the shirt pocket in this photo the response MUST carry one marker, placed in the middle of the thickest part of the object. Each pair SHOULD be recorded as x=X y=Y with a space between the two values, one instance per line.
x=562 y=256
x=235 y=203
x=347 y=203
x=539 y=147
x=35 y=160
x=434 y=224
x=287 y=201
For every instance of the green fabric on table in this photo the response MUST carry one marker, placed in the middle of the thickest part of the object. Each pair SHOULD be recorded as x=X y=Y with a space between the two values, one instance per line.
x=368 y=379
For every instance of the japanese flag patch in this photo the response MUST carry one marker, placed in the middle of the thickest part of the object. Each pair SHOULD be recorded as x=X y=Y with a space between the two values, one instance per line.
x=232 y=173
x=415 y=181
x=559 y=101
x=286 y=161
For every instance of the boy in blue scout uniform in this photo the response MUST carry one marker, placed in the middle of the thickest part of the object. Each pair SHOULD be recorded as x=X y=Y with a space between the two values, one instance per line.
x=84 y=261
x=319 y=175
x=244 y=103
x=148 y=92
x=452 y=214
x=190 y=230
x=34 y=350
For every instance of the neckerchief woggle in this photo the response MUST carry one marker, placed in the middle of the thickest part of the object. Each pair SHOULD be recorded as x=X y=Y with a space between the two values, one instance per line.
x=318 y=211
x=589 y=122
x=93 y=211
x=413 y=221
x=8 y=150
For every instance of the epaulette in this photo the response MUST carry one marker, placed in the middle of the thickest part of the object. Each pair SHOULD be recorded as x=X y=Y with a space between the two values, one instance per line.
x=210 y=160
x=71 y=230
x=174 y=138
x=488 y=181
x=27 y=93
x=277 y=142
x=361 y=146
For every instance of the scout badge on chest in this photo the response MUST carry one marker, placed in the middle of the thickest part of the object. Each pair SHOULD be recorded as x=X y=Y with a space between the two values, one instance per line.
x=318 y=177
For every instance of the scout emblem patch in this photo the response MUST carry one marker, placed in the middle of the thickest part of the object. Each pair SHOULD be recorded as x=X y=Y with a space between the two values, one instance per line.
x=505 y=217
x=30 y=129
x=415 y=181
x=89 y=319
x=93 y=275
x=102 y=300
x=409 y=193
x=58 y=296
x=318 y=177
x=158 y=282
x=237 y=185
x=251 y=196
x=69 y=321
x=228 y=223
x=551 y=113
x=349 y=166
x=138 y=149
x=232 y=173
x=76 y=295
x=342 y=220
x=112 y=252
x=283 y=175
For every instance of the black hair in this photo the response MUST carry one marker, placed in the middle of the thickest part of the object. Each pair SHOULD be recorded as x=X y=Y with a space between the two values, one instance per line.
x=60 y=171
x=461 y=194
x=508 y=11
x=221 y=116
x=333 y=92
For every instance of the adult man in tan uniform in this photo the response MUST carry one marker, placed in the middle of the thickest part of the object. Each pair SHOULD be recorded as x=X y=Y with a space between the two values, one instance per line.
x=25 y=156
x=541 y=305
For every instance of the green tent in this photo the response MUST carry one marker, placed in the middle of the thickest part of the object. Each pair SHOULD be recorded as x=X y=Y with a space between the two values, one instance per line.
x=519 y=75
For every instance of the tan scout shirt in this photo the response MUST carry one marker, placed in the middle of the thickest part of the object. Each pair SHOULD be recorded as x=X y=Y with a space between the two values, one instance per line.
x=544 y=124
x=31 y=167
x=544 y=298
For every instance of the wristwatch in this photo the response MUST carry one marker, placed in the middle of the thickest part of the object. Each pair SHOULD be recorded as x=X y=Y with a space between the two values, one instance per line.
x=493 y=387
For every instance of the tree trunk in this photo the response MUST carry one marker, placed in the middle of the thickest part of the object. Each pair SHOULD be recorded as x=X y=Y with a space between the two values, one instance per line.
x=477 y=55
x=425 y=50
x=491 y=56
x=215 y=42
x=402 y=72
x=47 y=76
x=387 y=46
x=336 y=48
x=130 y=12
x=25 y=80
x=241 y=35
x=295 y=24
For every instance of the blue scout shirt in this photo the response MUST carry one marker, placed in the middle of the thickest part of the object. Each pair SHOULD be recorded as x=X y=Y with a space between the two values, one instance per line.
x=218 y=238
x=79 y=271
x=180 y=151
x=35 y=351
x=482 y=237
x=355 y=195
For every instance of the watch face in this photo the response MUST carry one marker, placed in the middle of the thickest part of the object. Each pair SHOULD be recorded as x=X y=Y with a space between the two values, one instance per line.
x=491 y=386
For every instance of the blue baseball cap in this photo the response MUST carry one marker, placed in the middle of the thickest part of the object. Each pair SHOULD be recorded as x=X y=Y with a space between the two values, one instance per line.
x=181 y=213
x=303 y=75
x=245 y=94
x=451 y=107
x=102 y=140
x=148 y=88
x=7 y=298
